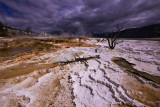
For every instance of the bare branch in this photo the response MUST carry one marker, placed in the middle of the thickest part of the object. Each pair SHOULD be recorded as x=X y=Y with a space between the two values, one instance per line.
x=112 y=40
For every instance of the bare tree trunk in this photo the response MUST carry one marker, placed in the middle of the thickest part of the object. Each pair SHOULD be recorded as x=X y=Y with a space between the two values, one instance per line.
x=112 y=40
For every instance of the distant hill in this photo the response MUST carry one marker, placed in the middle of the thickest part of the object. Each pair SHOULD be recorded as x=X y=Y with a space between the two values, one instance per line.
x=13 y=32
x=151 y=31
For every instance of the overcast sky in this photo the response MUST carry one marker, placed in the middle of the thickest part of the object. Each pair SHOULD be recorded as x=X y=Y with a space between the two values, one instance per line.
x=79 y=15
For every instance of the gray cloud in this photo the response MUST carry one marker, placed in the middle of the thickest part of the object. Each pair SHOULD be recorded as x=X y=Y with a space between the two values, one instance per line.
x=79 y=15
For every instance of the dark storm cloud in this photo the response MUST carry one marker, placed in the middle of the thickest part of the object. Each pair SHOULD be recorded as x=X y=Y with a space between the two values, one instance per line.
x=79 y=15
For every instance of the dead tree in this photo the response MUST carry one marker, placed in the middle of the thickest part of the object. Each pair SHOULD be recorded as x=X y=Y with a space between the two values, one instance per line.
x=101 y=40
x=98 y=40
x=78 y=59
x=28 y=29
x=2 y=30
x=112 y=38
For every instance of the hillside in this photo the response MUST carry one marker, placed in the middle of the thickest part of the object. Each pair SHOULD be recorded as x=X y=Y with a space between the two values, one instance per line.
x=7 y=31
x=151 y=31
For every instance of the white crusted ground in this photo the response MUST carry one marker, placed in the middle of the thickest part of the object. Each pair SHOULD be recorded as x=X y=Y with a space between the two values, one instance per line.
x=102 y=83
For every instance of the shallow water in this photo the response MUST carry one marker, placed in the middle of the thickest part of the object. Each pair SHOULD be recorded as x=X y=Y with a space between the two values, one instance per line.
x=8 y=52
